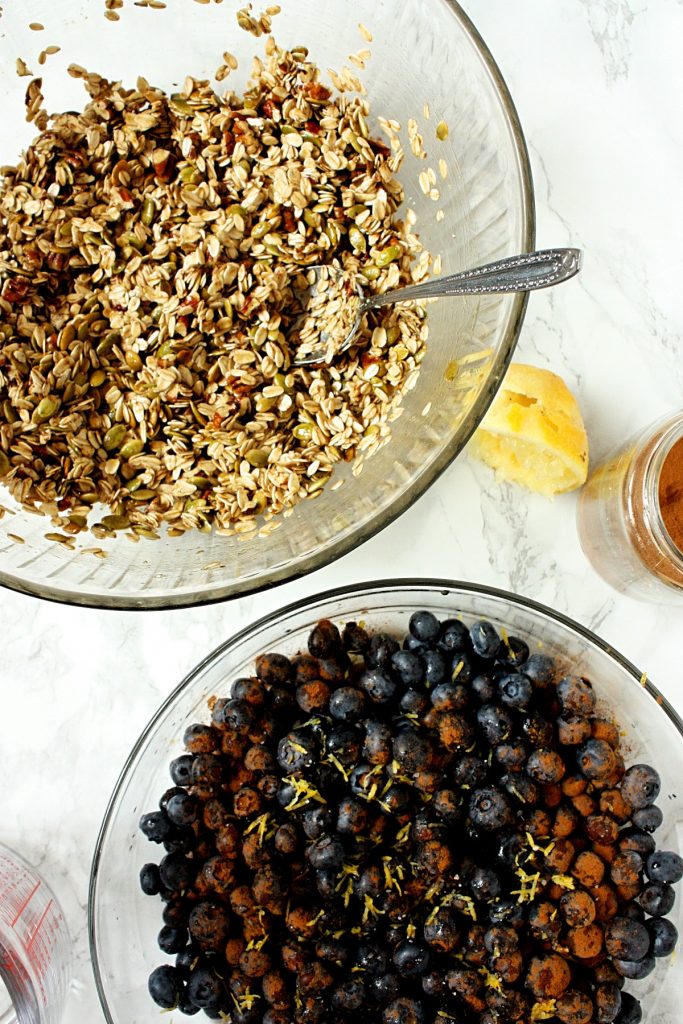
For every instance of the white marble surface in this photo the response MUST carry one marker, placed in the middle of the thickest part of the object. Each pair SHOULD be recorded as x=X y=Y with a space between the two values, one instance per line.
x=597 y=84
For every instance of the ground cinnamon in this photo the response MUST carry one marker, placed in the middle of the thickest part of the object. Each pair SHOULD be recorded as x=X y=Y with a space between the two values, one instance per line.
x=671 y=494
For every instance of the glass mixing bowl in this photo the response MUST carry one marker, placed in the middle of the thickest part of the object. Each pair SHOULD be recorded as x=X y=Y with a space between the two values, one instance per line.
x=124 y=923
x=425 y=52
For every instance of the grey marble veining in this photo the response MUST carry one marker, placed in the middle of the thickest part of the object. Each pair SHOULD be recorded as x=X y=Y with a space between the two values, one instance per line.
x=597 y=85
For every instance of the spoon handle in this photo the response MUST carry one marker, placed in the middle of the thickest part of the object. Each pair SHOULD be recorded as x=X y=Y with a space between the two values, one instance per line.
x=523 y=273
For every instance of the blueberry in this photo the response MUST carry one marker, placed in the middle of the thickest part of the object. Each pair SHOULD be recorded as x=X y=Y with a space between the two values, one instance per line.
x=454 y=635
x=510 y=849
x=408 y=667
x=626 y=939
x=485 y=884
x=180 y=840
x=635 y=970
x=434 y=985
x=520 y=786
x=372 y=959
x=664 y=866
x=640 y=786
x=449 y=697
x=347 y=704
x=355 y=638
x=657 y=899
x=514 y=651
x=177 y=872
x=462 y=668
x=595 y=759
x=640 y=842
x=379 y=687
x=173 y=791
x=512 y=756
x=436 y=666
x=631 y=1012
x=648 y=818
x=515 y=690
x=251 y=690
x=205 y=989
x=326 y=883
x=187 y=959
x=607 y=1002
x=377 y=746
x=425 y=626
x=326 y=852
x=397 y=799
x=489 y=809
x=447 y=805
x=172 y=940
x=351 y=817
x=233 y=714
x=404 y=1011
x=538 y=730
x=412 y=750
x=484 y=639
x=469 y=771
x=165 y=986
x=495 y=723
x=410 y=959
x=182 y=809
x=664 y=936
x=296 y=751
x=181 y=769
x=207 y=769
x=150 y=882
x=317 y=822
x=411 y=643
x=576 y=696
x=344 y=743
x=380 y=650
x=349 y=995
x=155 y=826
x=483 y=688
x=414 y=702
x=506 y=912
x=187 y=1007
x=540 y=669
x=175 y=913
x=324 y=639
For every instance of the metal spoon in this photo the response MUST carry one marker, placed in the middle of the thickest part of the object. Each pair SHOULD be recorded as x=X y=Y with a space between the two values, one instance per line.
x=522 y=273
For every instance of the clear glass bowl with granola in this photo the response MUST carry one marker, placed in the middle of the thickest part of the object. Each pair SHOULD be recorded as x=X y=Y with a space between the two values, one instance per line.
x=159 y=207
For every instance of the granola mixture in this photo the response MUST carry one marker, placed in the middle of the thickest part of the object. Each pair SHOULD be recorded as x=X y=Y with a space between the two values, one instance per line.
x=332 y=306
x=151 y=249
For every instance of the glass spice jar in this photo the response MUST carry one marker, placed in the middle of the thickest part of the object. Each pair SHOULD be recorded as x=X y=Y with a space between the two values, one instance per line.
x=630 y=514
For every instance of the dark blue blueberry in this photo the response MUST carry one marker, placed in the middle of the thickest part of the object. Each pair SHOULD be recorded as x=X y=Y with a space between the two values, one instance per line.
x=425 y=626
x=657 y=899
x=485 y=884
x=380 y=650
x=640 y=786
x=175 y=913
x=251 y=690
x=233 y=714
x=538 y=730
x=436 y=666
x=274 y=669
x=410 y=959
x=454 y=635
x=207 y=770
x=631 y=1012
x=489 y=809
x=514 y=651
x=576 y=696
x=397 y=799
x=595 y=759
x=360 y=779
x=462 y=668
x=344 y=743
x=449 y=697
x=165 y=986
x=386 y=988
x=495 y=723
x=512 y=755
x=324 y=639
x=485 y=639
x=186 y=1006
x=347 y=704
x=664 y=936
x=317 y=822
x=355 y=638
x=648 y=818
x=636 y=970
x=510 y=849
x=379 y=687
x=352 y=817
x=469 y=771
x=414 y=702
x=540 y=669
x=205 y=989
x=633 y=911
x=182 y=809
x=515 y=690
x=174 y=791
x=638 y=841
x=296 y=751
x=447 y=805
x=412 y=750
x=377 y=746
x=506 y=912
x=155 y=826
x=181 y=770
x=200 y=738
x=180 y=840
x=332 y=951
x=411 y=643
x=349 y=995
x=326 y=852
x=177 y=872
x=172 y=940
x=607 y=998
x=326 y=882
x=408 y=667
x=626 y=939
x=187 y=959
x=483 y=688
x=664 y=866
x=150 y=882
x=434 y=985
x=521 y=787
x=372 y=959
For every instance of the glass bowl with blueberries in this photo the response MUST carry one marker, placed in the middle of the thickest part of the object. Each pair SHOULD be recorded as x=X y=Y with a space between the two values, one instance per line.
x=417 y=800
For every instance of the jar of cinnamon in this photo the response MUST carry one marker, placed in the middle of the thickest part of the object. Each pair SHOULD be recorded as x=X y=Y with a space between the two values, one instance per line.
x=630 y=514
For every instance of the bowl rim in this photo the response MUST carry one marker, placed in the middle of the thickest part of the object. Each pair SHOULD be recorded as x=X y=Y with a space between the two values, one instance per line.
x=282 y=574
x=359 y=590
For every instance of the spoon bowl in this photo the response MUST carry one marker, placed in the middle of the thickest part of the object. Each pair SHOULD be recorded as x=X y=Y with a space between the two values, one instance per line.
x=333 y=305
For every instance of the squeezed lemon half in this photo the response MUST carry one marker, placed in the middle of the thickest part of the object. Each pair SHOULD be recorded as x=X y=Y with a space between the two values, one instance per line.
x=533 y=433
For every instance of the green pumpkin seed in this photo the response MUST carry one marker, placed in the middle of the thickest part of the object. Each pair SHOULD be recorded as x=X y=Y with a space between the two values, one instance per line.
x=144 y=494
x=115 y=522
x=131 y=448
x=370 y=272
x=357 y=239
x=442 y=131
x=133 y=361
x=97 y=378
x=388 y=255
x=108 y=342
x=46 y=407
x=393 y=334
x=257 y=457
x=180 y=104
x=114 y=436
x=149 y=212
x=303 y=431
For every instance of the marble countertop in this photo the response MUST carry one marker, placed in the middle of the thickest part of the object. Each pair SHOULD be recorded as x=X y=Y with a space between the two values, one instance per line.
x=597 y=84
